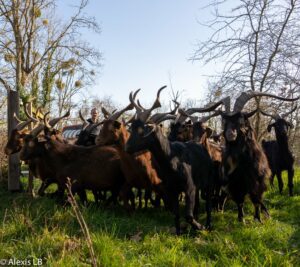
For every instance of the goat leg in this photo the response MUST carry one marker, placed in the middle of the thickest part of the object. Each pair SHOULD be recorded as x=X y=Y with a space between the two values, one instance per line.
x=208 y=204
x=190 y=196
x=197 y=205
x=256 y=200
x=44 y=186
x=280 y=182
x=264 y=210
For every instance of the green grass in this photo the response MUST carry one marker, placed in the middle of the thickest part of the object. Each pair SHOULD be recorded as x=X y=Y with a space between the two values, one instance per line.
x=41 y=228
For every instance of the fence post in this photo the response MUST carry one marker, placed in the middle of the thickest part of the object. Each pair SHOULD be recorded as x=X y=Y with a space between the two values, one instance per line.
x=13 y=160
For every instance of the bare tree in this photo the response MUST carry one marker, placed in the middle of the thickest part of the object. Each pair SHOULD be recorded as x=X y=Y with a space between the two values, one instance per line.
x=35 y=45
x=257 y=44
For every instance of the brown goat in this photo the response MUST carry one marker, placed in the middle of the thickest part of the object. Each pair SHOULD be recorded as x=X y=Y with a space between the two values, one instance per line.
x=94 y=168
x=139 y=170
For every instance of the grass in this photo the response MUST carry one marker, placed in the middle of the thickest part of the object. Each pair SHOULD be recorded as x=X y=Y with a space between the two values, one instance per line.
x=42 y=228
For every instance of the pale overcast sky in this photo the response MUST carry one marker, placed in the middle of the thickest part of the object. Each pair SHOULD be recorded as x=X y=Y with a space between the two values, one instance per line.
x=144 y=43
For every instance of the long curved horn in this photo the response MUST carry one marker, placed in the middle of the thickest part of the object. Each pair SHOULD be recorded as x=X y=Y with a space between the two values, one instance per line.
x=93 y=126
x=288 y=113
x=54 y=121
x=165 y=117
x=206 y=118
x=275 y=117
x=181 y=116
x=116 y=115
x=246 y=96
x=251 y=113
x=201 y=119
x=211 y=106
x=159 y=117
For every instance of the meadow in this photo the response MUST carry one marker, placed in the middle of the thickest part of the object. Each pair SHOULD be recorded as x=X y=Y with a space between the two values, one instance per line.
x=41 y=228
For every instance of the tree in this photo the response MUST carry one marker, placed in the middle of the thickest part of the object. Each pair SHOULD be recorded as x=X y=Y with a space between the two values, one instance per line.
x=35 y=46
x=257 y=42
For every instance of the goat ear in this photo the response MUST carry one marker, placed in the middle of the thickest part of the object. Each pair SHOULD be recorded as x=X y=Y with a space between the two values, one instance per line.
x=209 y=132
x=117 y=124
x=270 y=127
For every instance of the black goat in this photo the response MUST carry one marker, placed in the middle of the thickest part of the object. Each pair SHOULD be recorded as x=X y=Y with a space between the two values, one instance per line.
x=183 y=167
x=279 y=155
x=245 y=165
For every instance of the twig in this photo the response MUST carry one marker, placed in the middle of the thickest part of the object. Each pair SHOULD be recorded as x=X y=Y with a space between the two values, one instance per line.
x=82 y=223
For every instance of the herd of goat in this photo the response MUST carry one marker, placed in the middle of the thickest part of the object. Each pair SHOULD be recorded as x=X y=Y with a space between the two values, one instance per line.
x=138 y=154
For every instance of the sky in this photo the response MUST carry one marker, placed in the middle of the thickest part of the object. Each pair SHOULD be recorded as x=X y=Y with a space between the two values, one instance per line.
x=146 y=44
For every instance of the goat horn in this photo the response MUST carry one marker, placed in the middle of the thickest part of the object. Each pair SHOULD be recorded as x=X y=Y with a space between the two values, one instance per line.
x=206 y=118
x=288 y=113
x=54 y=121
x=105 y=112
x=27 y=113
x=21 y=124
x=81 y=117
x=116 y=115
x=165 y=118
x=145 y=114
x=138 y=102
x=96 y=125
x=159 y=117
x=46 y=120
x=211 y=106
x=275 y=117
x=246 y=96
x=181 y=116
x=132 y=101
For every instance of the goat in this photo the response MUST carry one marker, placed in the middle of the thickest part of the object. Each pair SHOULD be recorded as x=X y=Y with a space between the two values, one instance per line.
x=95 y=167
x=279 y=155
x=183 y=166
x=38 y=167
x=245 y=165
x=139 y=170
x=201 y=133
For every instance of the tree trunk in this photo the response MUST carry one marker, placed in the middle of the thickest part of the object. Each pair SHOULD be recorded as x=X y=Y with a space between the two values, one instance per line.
x=13 y=160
